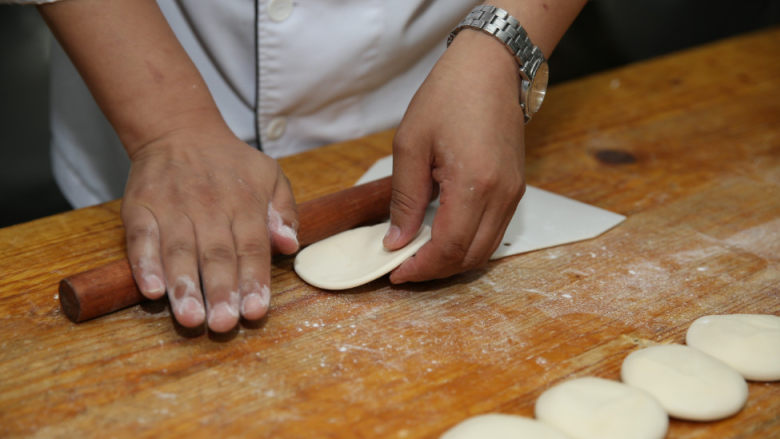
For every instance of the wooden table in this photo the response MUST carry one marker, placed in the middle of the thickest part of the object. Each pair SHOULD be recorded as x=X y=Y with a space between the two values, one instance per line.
x=687 y=146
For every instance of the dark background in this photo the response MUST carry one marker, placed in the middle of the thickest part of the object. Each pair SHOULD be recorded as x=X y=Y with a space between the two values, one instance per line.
x=608 y=33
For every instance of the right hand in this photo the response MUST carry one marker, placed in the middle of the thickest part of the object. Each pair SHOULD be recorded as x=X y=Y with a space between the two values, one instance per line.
x=203 y=208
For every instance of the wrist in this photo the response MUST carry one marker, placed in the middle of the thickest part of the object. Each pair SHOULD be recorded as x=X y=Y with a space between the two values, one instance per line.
x=193 y=122
x=507 y=30
x=495 y=64
x=193 y=129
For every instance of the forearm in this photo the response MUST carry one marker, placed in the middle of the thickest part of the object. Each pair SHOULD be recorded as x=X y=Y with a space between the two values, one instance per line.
x=134 y=66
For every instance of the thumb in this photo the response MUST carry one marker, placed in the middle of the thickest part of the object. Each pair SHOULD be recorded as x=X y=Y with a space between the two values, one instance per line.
x=283 y=218
x=412 y=190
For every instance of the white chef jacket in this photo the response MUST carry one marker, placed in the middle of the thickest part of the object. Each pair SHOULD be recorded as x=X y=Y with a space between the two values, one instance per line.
x=301 y=73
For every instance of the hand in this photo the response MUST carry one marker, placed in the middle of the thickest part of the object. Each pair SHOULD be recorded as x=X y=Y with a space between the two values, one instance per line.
x=203 y=208
x=463 y=133
x=199 y=204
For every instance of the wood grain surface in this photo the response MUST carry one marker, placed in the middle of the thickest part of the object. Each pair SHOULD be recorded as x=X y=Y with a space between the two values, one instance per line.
x=687 y=146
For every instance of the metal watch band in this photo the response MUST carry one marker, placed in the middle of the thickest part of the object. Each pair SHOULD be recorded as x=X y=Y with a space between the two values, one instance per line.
x=500 y=24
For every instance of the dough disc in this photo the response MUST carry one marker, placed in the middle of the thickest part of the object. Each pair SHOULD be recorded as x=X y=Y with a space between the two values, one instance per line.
x=353 y=258
x=750 y=343
x=688 y=383
x=596 y=408
x=498 y=426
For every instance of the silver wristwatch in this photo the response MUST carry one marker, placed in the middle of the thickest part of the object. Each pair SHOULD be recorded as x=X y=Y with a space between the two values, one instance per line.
x=534 y=72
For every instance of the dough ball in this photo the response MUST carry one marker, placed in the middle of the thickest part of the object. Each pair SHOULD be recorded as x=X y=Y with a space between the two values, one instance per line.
x=353 y=258
x=750 y=343
x=596 y=408
x=688 y=383
x=498 y=426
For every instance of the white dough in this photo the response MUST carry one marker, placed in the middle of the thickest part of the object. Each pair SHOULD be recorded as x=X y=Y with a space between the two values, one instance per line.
x=498 y=426
x=596 y=408
x=353 y=258
x=750 y=343
x=688 y=383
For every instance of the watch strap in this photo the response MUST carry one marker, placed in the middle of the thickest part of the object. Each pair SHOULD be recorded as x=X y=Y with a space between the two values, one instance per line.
x=498 y=23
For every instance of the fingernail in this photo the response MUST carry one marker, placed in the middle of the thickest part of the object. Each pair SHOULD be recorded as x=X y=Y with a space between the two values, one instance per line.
x=189 y=312
x=393 y=278
x=256 y=300
x=222 y=317
x=288 y=232
x=255 y=305
x=392 y=235
x=276 y=225
x=153 y=286
x=251 y=305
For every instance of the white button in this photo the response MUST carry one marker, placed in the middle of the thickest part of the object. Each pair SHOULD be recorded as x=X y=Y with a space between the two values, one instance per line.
x=275 y=128
x=280 y=10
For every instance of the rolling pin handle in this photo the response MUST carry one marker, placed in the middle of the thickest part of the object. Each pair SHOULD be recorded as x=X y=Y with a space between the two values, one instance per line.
x=99 y=291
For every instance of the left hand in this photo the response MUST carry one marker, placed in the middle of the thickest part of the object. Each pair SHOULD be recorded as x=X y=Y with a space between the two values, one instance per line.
x=463 y=132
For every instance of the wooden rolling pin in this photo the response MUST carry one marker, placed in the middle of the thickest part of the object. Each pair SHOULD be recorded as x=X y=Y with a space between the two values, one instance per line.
x=111 y=287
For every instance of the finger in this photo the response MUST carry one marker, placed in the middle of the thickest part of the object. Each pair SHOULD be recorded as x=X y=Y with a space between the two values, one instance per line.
x=498 y=213
x=511 y=208
x=283 y=218
x=489 y=235
x=412 y=189
x=253 y=252
x=219 y=270
x=454 y=228
x=143 y=249
x=493 y=222
x=177 y=241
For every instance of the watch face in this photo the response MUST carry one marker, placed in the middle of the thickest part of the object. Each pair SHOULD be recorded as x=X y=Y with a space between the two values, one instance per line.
x=537 y=89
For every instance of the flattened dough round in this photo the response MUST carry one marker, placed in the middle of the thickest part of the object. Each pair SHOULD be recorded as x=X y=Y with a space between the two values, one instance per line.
x=688 y=383
x=499 y=426
x=750 y=343
x=596 y=408
x=353 y=258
